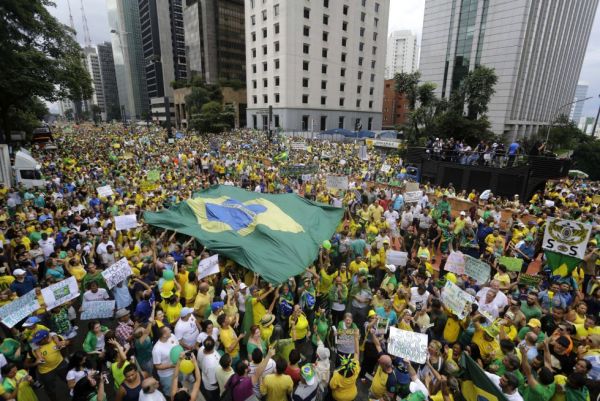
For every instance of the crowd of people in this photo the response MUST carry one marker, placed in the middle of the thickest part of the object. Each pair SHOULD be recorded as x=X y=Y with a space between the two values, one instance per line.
x=318 y=336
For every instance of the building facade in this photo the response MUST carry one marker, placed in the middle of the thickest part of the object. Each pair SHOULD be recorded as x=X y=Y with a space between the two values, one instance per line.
x=109 y=82
x=124 y=22
x=319 y=64
x=215 y=39
x=527 y=42
x=395 y=107
x=402 y=53
x=92 y=64
x=577 y=106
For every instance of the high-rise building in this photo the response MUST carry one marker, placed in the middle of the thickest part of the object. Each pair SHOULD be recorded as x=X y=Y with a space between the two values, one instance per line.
x=578 y=102
x=163 y=43
x=319 y=64
x=214 y=39
x=92 y=64
x=112 y=109
x=402 y=53
x=124 y=22
x=536 y=48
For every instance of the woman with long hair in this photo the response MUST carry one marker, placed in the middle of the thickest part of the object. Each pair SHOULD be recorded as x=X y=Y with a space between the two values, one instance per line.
x=78 y=369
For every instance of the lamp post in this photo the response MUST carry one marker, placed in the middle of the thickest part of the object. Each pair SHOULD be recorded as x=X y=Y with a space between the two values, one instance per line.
x=559 y=109
x=596 y=121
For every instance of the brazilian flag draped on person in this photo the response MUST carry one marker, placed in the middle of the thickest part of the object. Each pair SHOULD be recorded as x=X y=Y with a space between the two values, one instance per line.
x=561 y=264
x=476 y=386
x=276 y=236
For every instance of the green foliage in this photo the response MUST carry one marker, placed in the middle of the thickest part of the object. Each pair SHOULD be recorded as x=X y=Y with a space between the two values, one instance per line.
x=235 y=84
x=586 y=158
x=564 y=134
x=477 y=89
x=213 y=117
x=407 y=84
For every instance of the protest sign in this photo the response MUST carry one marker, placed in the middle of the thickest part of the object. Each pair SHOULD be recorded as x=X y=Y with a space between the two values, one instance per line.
x=362 y=153
x=457 y=300
x=408 y=345
x=153 y=175
x=117 y=273
x=337 y=182
x=306 y=177
x=59 y=293
x=477 y=269
x=411 y=186
x=19 y=309
x=568 y=237
x=530 y=280
x=413 y=197
x=512 y=264
x=125 y=222
x=208 y=266
x=299 y=146
x=104 y=191
x=385 y=168
x=455 y=263
x=548 y=203
x=147 y=186
x=345 y=338
x=396 y=258
x=97 y=310
x=382 y=326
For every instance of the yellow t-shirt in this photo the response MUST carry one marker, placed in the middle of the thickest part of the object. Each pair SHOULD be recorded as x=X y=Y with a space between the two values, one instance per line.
x=301 y=327
x=201 y=303
x=228 y=338
x=451 y=329
x=258 y=310
x=581 y=331
x=276 y=387
x=172 y=312
x=51 y=355
x=486 y=348
x=5 y=282
x=344 y=388
x=378 y=386
x=504 y=279
x=326 y=281
x=354 y=267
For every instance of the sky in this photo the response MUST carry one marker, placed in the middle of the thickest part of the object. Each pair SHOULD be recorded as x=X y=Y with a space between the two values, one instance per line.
x=403 y=15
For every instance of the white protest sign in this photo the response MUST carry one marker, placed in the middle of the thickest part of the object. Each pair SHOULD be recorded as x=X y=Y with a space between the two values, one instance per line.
x=104 y=191
x=97 y=310
x=346 y=340
x=568 y=237
x=413 y=196
x=477 y=269
x=60 y=293
x=457 y=300
x=117 y=273
x=411 y=186
x=299 y=146
x=125 y=222
x=455 y=263
x=22 y=307
x=362 y=153
x=396 y=258
x=337 y=182
x=306 y=177
x=385 y=168
x=408 y=345
x=208 y=266
x=548 y=203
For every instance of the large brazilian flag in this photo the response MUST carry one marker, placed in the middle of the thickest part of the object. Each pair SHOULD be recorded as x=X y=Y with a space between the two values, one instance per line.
x=276 y=236
x=476 y=386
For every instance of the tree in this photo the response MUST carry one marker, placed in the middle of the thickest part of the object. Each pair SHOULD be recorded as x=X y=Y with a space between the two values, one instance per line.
x=477 y=89
x=40 y=59
x=564 y=134
x=407 y=84
x=586 y=158
x=213 y=117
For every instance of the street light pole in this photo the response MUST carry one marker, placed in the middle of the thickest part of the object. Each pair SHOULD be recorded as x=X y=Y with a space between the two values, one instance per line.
x=559 y=109
x=596 y=122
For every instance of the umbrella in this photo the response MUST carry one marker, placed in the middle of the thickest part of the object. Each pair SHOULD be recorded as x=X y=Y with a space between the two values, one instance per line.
x=578 y=173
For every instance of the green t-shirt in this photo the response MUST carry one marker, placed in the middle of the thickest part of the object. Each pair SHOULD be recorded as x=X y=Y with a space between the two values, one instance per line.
x=523 y=332
x=531 y=311
x=539 y=392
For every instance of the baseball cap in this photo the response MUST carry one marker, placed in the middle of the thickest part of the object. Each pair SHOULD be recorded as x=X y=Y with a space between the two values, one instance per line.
x=216 y=305
x=243 y=286
x=371 y=313
x=39 y=336
x=186 y=311
x=463 y=213
x=534 y=323
x=308 y=374
x=19 y=272
x=31 y=321
x=391 y=268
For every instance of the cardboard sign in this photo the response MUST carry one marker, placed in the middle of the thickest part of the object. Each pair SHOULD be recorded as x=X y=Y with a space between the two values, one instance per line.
x=208 y=266
x=396 y=258
x=126 y=222
x=477 y=269
x=413 y=196
x=568 y=237
x=408 y=345
x=97 y=310
x=105 y=191
x=457 y=300
x=455 y=263
x=19 y=309
x=337 y=182
x=117 y=273
x=530 y=280
x=60 y=293
x=512 y=264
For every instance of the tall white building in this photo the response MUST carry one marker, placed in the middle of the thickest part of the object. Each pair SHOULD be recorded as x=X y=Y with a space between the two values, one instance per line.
x=92 y=64
x=535 y=46
x=319 y=64
x=578 y=103
x=402 y=53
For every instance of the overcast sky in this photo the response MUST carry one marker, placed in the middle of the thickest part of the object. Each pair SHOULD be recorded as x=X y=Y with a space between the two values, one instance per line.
x=403 y=15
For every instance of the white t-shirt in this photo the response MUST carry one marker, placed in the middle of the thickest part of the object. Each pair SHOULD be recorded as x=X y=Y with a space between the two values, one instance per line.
x=391 y=217
x=47 y=246
x=161 y=354
x=418 y=300
x=187 y=331
x=496 y=380
x=208 y=364
x=156 y=395
x=76 y=375
x=3 y=363
x=203 y=336
x=100 y=295
x=500 y=301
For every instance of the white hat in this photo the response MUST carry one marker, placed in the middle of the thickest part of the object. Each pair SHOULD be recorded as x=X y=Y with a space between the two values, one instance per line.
x=19 y=272
x=391 y=268
x=243 y=286
x=463 y=213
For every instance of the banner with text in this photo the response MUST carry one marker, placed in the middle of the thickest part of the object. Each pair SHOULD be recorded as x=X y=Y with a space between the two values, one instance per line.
x=568 y=237
x=19 y=309
x=457 y=300
x=117 y=273
x=104 y=191
x=477 y=269
x=396 y=258
x=413 y=197
x=125 y=222
x=208 y=267
x=59 y=293
x=455 y=263
x=97 y=310
x=337 y=182
x=408 y=345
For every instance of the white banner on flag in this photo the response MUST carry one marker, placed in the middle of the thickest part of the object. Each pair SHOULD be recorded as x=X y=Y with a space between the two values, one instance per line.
x=457 y=300
x=455 y=263
x=413 y=196
x=208 y=266
x=408 y=345
x=125 y=222
x=60 y=293
x=396 y=258
x=117 y=273
x=568 y=237
x=337 y=182
x=104 y=191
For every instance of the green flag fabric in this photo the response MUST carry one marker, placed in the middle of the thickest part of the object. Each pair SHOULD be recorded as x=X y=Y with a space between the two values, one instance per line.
x=477 y=386
x=561 y=265
x=276 y=236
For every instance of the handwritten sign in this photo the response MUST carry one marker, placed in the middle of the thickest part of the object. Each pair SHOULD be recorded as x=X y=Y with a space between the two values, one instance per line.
x=413 y=197
x=411 y=186
x=362 y=153
x=530 y=280
x=117 y=273
x=125 y=222
x=105 y=191
x=19 y=309
x=396 y=258
x=477 y=269
x=299 y=146
x=457 y=300
x=512 y=264
x=455 y=263
x=345 y=340
x=208 y=267
x=60 y=293
x=97 y=310
x=568 y=237
x=408 y=345
x=153 y=175
x=337 y=182
x=147 y=186
x=385 y=168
